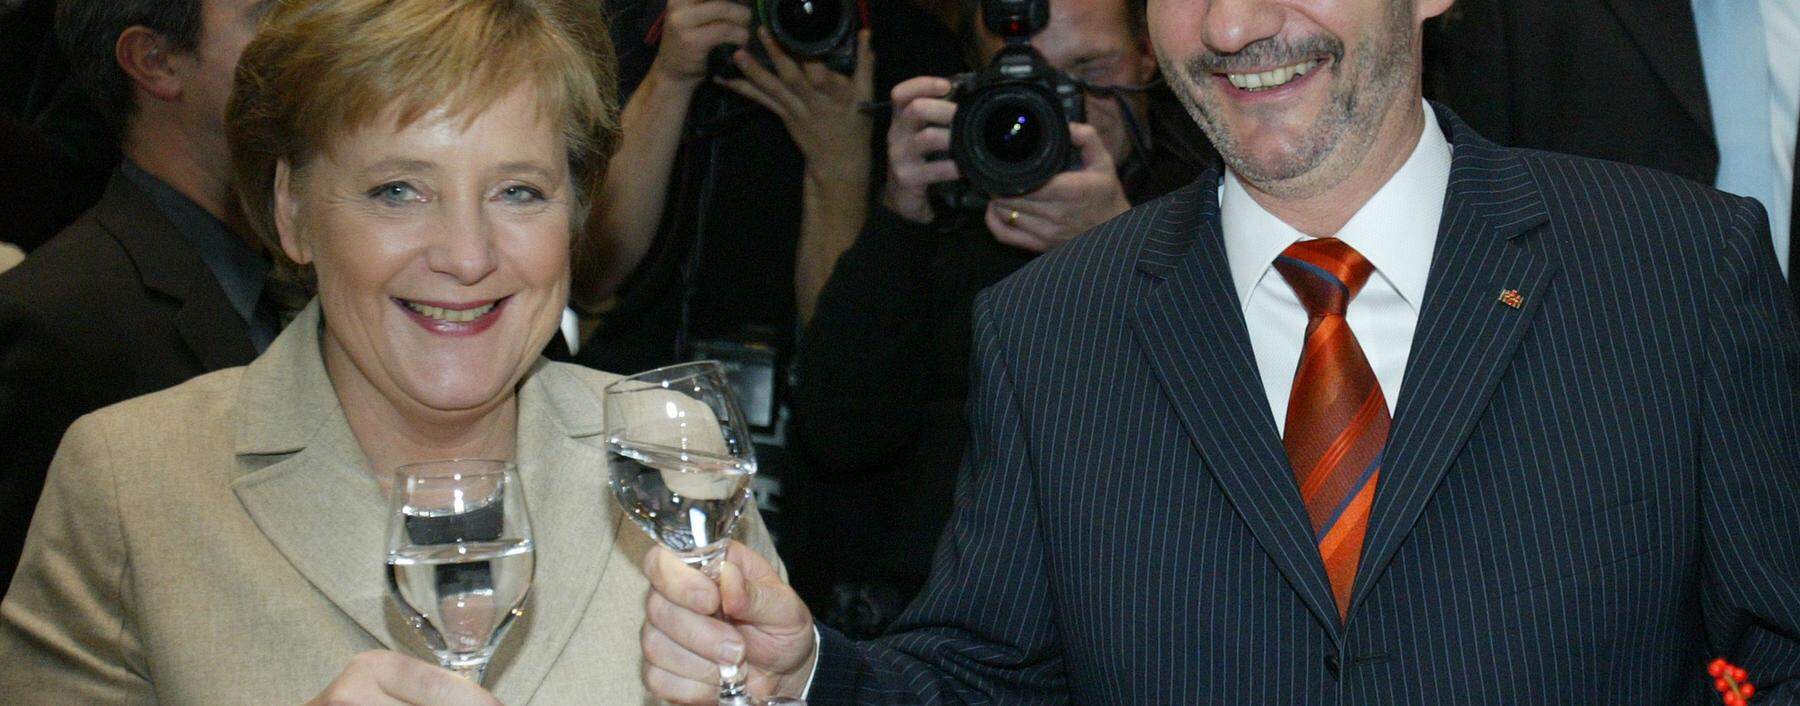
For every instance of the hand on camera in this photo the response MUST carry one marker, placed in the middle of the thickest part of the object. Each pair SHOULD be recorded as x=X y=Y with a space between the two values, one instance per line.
x=383 y=677
x=690 y=29
x=918 y=146
x=1068 y=205
x=684 y=645
x=818 y=106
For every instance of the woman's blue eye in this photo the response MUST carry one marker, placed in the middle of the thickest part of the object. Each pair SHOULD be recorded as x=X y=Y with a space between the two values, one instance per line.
x=521 y=194
x=395 y=192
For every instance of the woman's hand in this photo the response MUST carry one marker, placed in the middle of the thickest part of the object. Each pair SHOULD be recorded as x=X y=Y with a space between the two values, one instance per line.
x=387 y=678
x=818 y=106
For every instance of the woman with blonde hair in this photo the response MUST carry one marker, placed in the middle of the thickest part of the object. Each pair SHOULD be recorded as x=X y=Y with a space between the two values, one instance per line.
x=425 y=167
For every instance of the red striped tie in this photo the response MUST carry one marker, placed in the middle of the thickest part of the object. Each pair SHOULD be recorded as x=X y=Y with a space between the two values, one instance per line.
x=1337 y=419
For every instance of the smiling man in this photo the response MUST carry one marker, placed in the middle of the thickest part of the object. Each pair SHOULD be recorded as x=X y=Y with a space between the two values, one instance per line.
x=1378 y=413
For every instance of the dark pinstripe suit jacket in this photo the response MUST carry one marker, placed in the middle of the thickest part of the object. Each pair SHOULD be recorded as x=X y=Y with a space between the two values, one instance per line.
x=1585 y=497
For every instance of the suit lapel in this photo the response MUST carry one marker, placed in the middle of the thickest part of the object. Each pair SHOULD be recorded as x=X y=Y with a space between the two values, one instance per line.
x=305 y=482
x=1192 y=327
x=169 y=265
x=1466 y=333
x=1666 y=34
x=326 y=514
x=565 y=486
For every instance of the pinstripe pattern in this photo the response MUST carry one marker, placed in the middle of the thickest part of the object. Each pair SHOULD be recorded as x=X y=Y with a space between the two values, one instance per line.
x=1551 y=525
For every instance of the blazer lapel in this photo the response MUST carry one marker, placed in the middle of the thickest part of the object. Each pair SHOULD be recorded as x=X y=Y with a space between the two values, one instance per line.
x=305 y=483
x=169 y=264
x=1192 y=327
x=1466 y=334
x=565 y=475
x=1666 y=34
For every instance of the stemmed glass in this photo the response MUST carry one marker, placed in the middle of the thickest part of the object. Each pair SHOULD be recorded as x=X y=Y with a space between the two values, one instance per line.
x=681 y=459
x=460 y=556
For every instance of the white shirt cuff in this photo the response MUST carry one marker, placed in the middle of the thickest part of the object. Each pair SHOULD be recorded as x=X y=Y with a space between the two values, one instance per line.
x=807 y=692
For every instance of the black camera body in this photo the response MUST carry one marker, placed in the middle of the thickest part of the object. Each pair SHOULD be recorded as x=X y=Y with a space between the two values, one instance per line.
x=1011 y=130
x=817 y=30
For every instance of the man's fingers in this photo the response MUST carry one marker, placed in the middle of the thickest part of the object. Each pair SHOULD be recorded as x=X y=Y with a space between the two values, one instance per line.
x=908 y=116
x=1015 y=233
x=919 y=87
x=1033 y=204
x=679 y=583
x=1094 y=157
x=700 y=634
x=679 y=690
x=764 y=601
x=931 y=140
x=671 y=657
x=922 y=112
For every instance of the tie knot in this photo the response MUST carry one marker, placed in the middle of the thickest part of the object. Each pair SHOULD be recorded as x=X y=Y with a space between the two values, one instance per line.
x=1326 y=273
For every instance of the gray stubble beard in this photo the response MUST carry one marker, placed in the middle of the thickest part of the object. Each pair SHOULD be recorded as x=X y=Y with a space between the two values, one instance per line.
x=1349 y=122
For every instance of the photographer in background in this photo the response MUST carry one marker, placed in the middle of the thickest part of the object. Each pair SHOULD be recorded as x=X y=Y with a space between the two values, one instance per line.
x=710 y=220
x=881 y=373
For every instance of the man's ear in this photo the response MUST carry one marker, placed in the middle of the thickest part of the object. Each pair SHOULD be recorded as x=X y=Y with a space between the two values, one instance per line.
x=287 y=215
x=1432 y=8
x=147 y=59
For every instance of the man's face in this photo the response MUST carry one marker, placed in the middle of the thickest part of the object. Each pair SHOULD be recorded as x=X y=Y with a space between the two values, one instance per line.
x=1092 y=41
x=226 y=27
x=1291 y=92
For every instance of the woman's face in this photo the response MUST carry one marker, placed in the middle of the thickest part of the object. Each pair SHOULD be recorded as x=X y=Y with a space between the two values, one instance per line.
x=442 y=253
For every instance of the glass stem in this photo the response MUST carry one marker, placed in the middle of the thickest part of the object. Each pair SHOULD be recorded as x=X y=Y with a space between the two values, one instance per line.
x=731 y=677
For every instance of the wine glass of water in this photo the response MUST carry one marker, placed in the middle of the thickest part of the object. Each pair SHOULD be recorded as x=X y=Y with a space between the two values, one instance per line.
x=681 y=460
x=460 y=556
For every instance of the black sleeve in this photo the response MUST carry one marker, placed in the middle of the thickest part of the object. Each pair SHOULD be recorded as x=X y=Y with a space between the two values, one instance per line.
x=984 y=630
x=863 y=360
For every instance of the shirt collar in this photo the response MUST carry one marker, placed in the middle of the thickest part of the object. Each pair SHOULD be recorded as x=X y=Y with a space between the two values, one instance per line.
x=238 y=267
x=1396 y=229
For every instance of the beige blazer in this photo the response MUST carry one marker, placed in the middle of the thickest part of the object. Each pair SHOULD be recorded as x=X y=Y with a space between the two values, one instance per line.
x=222 y=542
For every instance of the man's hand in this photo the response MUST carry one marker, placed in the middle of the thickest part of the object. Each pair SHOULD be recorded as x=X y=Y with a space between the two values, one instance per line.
x=386 y=678
x=816 y=104
x=690 y=29
x=921 y=128
x=684 y=645
x=1066 y=206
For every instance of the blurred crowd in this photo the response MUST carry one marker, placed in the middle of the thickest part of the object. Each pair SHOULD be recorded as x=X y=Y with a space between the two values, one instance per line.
x=797 y=206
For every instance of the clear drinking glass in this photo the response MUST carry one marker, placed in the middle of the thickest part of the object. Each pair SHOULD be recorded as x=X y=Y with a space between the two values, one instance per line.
x=681 y=460
x=460 y=556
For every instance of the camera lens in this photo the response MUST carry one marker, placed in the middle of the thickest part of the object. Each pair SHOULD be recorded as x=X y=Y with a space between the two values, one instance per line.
x=809 y=21
x=1012 y=133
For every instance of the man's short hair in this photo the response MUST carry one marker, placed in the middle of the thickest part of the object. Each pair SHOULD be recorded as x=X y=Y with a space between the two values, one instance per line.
x=88 y=31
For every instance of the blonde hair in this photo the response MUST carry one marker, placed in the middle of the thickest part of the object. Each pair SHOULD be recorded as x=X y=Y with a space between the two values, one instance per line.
x=318 y=69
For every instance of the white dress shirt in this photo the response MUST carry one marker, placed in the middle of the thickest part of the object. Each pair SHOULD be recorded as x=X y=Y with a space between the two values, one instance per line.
x=1781 y=30
x=1396 y=230
x=1750 y=58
